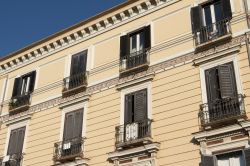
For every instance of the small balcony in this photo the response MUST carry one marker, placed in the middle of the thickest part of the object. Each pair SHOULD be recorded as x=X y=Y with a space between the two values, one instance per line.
x=19 y=104
x=222 y=111
x=218 y=31
x=135 y=61
x=74 y=84
x=12 y=160
x=133 y=134
x=68 y=150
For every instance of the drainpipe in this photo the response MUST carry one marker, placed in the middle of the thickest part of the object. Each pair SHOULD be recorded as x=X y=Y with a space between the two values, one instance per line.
x=246 y=11
x=4 y=91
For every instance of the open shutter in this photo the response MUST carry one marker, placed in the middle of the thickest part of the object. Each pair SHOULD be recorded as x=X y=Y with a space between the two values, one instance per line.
x=20 y=140
x=12 y=142
x=196 y=18
x=147 y=32
x=17 y=87
x=68 y=126
x=32 y=81
x=246 y=153
x=227 y=81
x=140 y=106
x=128 y=109
x=78 y=116
x=212 y=85
x=208 y=160
x=226 y=9
x=124 y=45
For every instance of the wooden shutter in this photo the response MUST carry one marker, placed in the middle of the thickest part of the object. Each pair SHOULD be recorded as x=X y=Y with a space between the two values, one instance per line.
x=21 y=134
x=226 y=9
x=196 y=18
x=83 y=62
x=212 y=85
x=208 y=160
x=246 y=153
x=16 y=141
x=32 y=81
x=147 y=32
x=68 y=126
x=74 y=65
x=124 y=45
x=17 y=87
x=227 y=81
x=140 y=105
x=78 y=116
x=128 y=116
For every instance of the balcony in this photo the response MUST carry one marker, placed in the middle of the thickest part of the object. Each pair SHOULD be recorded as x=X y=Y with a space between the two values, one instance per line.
x=218 y=31
x=12 y=160
x=222 y=111
x=133 y=134
x=68 y=150
x=19 y=104
x=135 y=61
x=74 y=84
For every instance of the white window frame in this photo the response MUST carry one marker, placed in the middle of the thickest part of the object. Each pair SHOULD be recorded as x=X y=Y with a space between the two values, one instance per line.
x=13 y=127
x=124 y=92
x=138 y=42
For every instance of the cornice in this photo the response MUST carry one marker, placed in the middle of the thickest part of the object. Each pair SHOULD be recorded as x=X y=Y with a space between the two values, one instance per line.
x=86 y=33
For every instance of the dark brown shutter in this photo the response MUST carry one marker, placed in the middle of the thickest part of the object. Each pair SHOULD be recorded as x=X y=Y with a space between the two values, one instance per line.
x=83 y=62
x=212 y=85
x=140 y=105
x=226 y=9
x=123 y=45
x=246 y=153
x=227 y=81
x=68 y=126
x=147 y=32
x=196 y=18
x=16 y=141
x=17 y=87
x=32 y=81
x=208 y=160
x=78 y=116
x=128 y=109
x=21 y=134
x=74 y=64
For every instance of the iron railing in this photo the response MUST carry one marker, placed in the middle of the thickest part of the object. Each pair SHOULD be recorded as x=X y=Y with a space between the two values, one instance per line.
x=13 y=160
x=213 y=31
x=222 y=110
x=134 y=60
x=68 y=149
x=74 y=81
x=132 y=132
x=19 y=101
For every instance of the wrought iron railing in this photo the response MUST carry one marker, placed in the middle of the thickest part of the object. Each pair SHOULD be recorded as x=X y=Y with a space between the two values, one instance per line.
x=68 y=149
x=132 y=132
x=134 y=60
x=19 y=101
x=13 y=160
x=74 y=81
x=213 y=31
x=222 y=110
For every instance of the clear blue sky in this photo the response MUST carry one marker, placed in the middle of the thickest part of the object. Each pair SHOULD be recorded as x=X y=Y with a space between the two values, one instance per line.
x=23 y=22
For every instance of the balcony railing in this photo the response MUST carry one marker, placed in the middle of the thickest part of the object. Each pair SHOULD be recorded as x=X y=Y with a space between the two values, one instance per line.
x=134 y=60
x=75 y=82
x=13 y=160
x=133 y=133
x=19 y=103
x=212 y=32
x=68 y=150
x=222 y=110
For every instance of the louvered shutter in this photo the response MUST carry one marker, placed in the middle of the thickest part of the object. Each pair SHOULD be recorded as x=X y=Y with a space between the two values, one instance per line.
x=246 y=153
x=17 y=87
x=74 y=65
x=124 y=45
x=128 y=108
x=83 y=62
x=196 y=18
x=78 y=116
x=208 y=160
x=140 y=105
x=32 y=81
x=147 y=32
x=226 y=9
x=12 y=142
x=227 y=81
x=21 y=134
x=68 y=127
x=212 y=85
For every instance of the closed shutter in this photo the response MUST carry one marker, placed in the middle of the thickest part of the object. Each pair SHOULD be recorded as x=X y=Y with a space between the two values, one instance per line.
x=17 y=87
x=196 y=18
x=140 y=106
x=226 y=9
x=246 y=153
x=128 y=109
x=208 y=160
x=74 y=65
x=227 y=81
x=83 y=62
x=21 y=134
x=78 y=116
x=32 y=81
x=212 y=85
x=68 y=127
x=147 y=32
x=16 y=141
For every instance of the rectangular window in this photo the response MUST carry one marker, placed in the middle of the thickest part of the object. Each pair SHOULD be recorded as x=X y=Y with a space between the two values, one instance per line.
x=78 y=63
x=231 y=159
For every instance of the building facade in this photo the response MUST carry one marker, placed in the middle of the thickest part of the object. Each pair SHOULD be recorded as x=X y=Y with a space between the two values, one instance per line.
x=146 y=83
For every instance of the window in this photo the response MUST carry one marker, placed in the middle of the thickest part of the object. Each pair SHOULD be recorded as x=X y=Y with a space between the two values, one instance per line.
x=133 y=48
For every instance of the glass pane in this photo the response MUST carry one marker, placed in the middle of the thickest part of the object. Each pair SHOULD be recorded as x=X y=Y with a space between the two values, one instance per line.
x=208 y=17
x=133 y=44
x=142 y=41
x=218 y=11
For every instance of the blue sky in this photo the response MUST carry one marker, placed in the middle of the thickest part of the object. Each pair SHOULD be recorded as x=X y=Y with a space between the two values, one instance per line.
x=23 y=22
